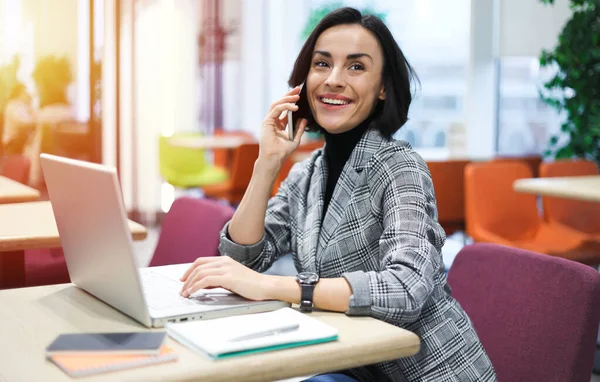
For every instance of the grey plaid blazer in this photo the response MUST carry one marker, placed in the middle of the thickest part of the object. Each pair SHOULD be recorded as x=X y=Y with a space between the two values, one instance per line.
x=381 y=233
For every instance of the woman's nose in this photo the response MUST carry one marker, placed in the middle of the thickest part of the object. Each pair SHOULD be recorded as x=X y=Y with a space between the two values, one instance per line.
x=335 y=79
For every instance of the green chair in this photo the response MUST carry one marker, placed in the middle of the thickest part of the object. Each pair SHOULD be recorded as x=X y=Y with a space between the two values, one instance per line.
x=187 y=167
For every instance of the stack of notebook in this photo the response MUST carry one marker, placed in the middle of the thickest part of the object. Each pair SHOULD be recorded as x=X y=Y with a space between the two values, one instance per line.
x=83 y=354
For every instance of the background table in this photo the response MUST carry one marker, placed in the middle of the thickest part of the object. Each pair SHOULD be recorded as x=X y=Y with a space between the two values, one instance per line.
x=585 y=188
x=32 y=317
x=15 y=192
x=208 y=142
x=28 y=226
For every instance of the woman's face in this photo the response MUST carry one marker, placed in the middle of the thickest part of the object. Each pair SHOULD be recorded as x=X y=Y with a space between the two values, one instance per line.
x=344 y=82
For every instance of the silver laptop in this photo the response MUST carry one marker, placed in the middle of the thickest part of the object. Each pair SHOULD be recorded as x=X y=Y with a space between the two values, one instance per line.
x=97 y=244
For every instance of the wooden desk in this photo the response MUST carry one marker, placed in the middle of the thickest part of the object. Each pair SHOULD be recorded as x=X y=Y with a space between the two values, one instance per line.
x=209 y=142
x=28 y=226
x=585 y=188
x=15 y=192
x=32 y=317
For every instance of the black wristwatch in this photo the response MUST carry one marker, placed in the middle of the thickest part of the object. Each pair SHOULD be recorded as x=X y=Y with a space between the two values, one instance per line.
x=307 y=281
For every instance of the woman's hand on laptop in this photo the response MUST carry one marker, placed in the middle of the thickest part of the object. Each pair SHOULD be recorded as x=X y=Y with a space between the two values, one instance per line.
x=224 y=272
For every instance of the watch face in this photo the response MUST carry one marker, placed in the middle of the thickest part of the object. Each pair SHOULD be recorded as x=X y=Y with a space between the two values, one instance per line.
x=308 y=277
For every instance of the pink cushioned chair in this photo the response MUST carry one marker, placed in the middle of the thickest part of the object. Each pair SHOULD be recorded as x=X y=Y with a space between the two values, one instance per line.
x=190 y=230
x=45 y=266
x=536 y=315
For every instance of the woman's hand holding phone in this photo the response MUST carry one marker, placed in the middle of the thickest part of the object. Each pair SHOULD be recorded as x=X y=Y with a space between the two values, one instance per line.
x=275 y=142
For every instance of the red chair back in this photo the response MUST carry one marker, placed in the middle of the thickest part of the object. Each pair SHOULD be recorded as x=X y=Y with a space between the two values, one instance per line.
x=536 y=315
x=190 y=230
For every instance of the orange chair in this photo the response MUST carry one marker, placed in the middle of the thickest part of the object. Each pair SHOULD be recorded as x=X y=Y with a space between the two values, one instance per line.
x=222 y=157
x=233 y=189
x=581 y=216
x=533 y=161
x=448 y=182
x=305 y=147
x=497 y=214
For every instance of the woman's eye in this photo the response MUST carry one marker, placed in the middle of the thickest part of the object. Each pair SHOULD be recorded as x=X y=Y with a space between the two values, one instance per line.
x=320 y=64
x=357 y=67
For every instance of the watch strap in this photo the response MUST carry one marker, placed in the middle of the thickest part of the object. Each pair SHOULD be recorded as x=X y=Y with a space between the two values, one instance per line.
x=306 y=297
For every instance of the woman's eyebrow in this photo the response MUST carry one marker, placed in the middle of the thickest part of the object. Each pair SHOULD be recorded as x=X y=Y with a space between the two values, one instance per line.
x=351 y=56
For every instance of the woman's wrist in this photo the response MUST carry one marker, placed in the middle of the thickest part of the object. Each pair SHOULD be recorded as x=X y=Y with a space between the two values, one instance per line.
x=267 y=167
x=282 y=288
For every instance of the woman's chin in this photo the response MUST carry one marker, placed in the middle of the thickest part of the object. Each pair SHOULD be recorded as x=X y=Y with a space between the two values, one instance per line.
x=334 y=126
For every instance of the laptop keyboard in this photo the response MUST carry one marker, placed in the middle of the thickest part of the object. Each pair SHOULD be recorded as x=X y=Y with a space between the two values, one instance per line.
x=162 y=292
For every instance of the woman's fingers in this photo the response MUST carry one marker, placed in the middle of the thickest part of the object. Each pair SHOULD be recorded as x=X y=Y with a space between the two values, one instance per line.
x=295 y=90
x=284 y=99
x=199 y=261
x=199 y=276
x=287 y=99
x=279 y=109
x=213 y=281
x=300 y=126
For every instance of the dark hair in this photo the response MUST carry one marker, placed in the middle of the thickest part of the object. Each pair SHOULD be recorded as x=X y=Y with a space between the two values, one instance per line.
x=17 y=90
x=389 y=115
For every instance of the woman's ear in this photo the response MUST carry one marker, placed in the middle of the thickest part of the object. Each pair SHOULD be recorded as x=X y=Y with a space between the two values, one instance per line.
x=382 y=93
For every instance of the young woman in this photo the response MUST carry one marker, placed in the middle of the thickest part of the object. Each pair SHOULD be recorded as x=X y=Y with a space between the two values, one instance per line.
x=358 y=216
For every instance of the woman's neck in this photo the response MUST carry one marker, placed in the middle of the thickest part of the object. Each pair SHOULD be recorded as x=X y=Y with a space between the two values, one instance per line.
x=338 y=147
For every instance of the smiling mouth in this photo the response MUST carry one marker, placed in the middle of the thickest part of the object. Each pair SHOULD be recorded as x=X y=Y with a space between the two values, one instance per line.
x=334 y=102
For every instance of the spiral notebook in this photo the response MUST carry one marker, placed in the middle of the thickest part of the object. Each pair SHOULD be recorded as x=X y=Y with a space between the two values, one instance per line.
x=84 y=365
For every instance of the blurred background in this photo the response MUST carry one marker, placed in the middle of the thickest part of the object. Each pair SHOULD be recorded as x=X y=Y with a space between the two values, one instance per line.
x=128 y=72
x=172 y=94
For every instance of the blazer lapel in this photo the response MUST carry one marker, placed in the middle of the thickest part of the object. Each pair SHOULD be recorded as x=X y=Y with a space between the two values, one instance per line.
x=345 y=187
x=312 y=225
x=340 y=199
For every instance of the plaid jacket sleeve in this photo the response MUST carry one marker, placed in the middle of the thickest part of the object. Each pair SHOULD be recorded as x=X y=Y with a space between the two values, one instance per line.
x=410 y=245
x=275 y=241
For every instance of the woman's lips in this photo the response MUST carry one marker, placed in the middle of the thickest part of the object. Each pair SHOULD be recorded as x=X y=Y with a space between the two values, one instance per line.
x=333 y=107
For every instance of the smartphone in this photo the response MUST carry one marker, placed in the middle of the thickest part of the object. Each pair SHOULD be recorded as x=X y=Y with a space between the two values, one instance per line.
x=291 y=119
x=290 y=125
x=107 y=343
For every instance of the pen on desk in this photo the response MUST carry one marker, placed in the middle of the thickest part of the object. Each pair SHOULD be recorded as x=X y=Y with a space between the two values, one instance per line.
x=266 y=333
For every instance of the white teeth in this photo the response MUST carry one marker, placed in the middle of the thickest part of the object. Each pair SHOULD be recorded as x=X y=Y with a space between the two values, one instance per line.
x=332 y=101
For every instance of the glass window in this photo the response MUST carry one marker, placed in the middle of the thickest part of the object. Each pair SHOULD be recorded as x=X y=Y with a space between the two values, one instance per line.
x=525 y=123
x=434 y=36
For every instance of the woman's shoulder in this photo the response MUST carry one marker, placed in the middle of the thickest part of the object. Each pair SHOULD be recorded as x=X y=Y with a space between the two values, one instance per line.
x=398 y=155
x=303 y=167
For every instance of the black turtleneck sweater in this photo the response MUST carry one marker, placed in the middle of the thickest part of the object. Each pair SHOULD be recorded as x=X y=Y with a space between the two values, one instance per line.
x=338 y=148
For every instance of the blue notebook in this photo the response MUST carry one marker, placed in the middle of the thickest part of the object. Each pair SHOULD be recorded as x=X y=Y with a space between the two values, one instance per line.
x=247 y=334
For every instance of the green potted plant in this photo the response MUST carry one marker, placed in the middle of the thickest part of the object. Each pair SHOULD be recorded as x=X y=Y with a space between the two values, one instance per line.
x=52 y=76
x=575 y=89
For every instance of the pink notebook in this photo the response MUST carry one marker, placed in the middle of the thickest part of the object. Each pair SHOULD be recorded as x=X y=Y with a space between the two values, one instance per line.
x=84 y=365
